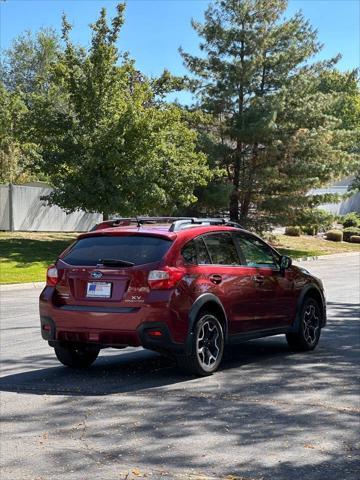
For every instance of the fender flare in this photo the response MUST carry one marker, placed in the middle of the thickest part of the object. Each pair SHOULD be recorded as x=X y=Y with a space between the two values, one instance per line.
x=308 y=288
x=199 y=303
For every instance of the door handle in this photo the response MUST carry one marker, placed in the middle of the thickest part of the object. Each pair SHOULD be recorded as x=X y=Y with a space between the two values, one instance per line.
x=258 y=279
x=215 y=279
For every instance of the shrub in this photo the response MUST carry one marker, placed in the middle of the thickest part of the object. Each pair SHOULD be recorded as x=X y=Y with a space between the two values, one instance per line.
x=293 y=231
x=310 y=230
x=315 y=220
x=349 y=232
x=334 y=235
x=351 y=219
x=355 y=239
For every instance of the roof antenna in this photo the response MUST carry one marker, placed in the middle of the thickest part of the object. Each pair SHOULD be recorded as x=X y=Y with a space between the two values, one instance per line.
x=139 y=222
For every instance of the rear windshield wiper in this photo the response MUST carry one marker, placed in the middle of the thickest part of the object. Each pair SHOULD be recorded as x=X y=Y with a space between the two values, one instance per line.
x=114 y=262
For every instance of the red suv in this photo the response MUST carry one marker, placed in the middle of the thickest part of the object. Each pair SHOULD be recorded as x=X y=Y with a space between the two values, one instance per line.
x=187 y=288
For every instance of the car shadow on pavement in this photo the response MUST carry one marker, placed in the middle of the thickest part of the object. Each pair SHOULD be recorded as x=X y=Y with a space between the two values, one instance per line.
x=137 y=369
x=125 y=372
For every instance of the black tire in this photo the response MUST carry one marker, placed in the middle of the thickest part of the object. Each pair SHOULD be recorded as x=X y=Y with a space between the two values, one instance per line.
x=76 y=357
x=207 y=347
x=309 y=329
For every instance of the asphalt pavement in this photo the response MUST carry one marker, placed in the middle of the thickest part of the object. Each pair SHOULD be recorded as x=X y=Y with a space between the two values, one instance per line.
x=267 y=414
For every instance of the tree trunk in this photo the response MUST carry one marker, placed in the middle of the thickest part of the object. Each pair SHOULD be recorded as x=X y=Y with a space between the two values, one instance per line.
x=234 y=197
x=234 y=206
x=244 y=210
x=105 y=216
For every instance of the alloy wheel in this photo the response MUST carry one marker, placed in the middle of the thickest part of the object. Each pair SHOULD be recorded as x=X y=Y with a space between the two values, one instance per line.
x=311 y=324
x=208 y=344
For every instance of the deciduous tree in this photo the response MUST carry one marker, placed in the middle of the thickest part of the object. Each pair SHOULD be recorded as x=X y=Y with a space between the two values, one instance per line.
x=108 y=142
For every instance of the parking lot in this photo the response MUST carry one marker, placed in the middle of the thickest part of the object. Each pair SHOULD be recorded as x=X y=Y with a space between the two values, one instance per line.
x=267 y=414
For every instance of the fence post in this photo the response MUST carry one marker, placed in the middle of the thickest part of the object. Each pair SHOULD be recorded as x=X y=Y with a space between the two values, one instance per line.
x=11 y=208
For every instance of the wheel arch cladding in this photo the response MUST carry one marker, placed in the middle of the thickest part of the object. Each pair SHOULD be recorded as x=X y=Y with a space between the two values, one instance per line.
x=211 y=304
x=310 y=291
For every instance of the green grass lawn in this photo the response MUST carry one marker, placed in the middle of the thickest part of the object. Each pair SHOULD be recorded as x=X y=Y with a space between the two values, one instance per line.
x=24 y=256
x=306 y=246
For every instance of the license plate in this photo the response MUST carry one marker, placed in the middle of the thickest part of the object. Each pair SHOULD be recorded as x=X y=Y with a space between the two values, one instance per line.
x=98 y=290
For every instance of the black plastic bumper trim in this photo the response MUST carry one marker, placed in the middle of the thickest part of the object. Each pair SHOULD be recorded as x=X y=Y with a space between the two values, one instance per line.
x=46 y=334
x=80 y=308
x=165 y=342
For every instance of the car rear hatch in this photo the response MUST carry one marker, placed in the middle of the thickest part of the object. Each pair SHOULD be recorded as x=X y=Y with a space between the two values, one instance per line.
x=104 y=270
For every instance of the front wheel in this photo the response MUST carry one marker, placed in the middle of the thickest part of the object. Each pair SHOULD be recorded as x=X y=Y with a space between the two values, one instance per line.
x=76 y=357
x=207 y=347
x=308 y=334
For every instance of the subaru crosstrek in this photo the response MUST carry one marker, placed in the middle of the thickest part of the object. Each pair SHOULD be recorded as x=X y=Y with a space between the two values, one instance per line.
x=187 y=289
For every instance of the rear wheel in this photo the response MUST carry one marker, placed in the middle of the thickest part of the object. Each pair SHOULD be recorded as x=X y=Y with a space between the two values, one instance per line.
x=75 y=356
x=308 y=334
x=207 y=347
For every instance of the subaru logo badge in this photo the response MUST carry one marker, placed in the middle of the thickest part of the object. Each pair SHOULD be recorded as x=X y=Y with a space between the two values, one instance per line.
x=96 y=274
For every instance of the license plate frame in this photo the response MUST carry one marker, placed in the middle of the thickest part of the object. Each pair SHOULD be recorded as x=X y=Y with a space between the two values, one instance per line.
x=98 y=289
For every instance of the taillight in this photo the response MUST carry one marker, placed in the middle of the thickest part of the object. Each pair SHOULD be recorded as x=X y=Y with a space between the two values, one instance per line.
x=51 y=276
x=165 y=279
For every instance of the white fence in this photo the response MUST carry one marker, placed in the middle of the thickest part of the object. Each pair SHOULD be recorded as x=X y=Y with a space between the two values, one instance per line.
x=21 y=208
x=351 y=204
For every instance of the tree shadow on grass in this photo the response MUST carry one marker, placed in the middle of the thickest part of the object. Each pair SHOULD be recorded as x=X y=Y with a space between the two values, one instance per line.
x=28 y=251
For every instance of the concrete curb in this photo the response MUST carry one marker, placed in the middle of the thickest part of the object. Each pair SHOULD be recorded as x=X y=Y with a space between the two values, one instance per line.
x=328 y=257
x=21 y=286
x=305 y=259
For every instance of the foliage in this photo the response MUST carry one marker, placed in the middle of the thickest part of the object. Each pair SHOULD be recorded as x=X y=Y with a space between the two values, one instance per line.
x=27 y=64
x=108 y=142
x=16 y=152
x=355 y=239
x=314 y=220
x=293 y=231
x=334 y=235
x=349 y=232
x=345 y=88
x=351 y=219
x=25 y=72
x=272 y=130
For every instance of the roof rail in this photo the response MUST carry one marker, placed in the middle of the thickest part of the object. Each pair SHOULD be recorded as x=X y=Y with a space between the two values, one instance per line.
x=193 y=222
x=127 y=221
x=177 y=223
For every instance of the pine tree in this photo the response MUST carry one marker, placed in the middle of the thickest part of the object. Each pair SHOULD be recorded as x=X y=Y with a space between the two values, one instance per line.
x=271 y=131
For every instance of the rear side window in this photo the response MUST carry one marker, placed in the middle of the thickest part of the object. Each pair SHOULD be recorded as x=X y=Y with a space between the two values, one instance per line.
x=138 y=249
x=221 y=249
x=195 y=252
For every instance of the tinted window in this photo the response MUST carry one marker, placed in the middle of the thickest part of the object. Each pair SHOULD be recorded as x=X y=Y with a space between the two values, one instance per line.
x=203 y=256
x=255 y=253
x=189 y=253
x=195 y=252
x=138 y=249
x=222 y=249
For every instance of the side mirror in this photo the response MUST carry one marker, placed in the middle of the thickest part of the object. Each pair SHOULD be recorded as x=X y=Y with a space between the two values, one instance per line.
x=285 y=263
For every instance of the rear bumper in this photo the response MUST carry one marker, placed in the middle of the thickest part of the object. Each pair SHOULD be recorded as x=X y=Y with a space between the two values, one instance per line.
x=109 y=326
x=142 y=337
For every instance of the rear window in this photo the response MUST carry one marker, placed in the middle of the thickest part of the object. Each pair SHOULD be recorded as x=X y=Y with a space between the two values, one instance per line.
x=138 y=249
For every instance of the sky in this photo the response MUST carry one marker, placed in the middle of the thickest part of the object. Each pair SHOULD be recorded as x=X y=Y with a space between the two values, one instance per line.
x=155 y=29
